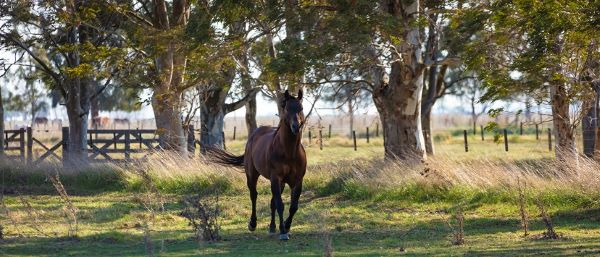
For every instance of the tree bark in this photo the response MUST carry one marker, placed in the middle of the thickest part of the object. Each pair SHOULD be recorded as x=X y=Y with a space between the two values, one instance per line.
x=251 y=123
x=276 y=81
x=428 y=136
x=211 y=118
x=212 y=113
x=95 y=111
x=1 y=124
x=565 y=149
x=436 y=88
x=588 y=128
x=77 y=101
x=399 y=100
x=250 y=116
x=170 y=69
x=78 y=106
x=351 y=114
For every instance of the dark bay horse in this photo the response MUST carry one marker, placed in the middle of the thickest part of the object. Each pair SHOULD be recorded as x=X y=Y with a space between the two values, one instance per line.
x=277 y=155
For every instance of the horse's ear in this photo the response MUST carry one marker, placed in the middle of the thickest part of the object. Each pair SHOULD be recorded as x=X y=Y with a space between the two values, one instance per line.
x=299 y=94
x=287 y=94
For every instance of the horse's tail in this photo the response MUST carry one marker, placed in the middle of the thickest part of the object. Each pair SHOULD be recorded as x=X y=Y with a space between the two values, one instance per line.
x=225 y=158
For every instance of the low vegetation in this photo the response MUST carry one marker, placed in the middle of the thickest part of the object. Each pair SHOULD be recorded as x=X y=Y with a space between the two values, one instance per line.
x=359 y=206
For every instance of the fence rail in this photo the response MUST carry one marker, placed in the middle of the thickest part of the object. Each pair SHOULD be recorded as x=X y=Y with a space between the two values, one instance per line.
x=103 y=145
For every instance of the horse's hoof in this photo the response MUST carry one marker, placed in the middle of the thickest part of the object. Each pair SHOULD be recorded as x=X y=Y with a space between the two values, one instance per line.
x=284 y=237
x=272 y=231
x=251 y=228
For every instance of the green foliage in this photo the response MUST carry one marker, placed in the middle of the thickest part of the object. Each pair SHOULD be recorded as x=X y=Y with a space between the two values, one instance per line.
x=521 y=46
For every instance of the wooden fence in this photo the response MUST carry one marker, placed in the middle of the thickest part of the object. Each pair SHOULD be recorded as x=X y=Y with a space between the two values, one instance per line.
x=113 y=145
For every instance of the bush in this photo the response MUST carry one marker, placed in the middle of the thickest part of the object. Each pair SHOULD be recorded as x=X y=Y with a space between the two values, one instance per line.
x=442 y=137
x=203 y=215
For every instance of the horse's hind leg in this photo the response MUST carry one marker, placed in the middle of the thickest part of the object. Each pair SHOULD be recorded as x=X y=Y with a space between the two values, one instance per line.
x=276 y=191
x=272 y=226
x=251 y=179
x=296 y=191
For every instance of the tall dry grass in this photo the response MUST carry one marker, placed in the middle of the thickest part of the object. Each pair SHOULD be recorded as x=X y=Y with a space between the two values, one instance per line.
x=441 y=178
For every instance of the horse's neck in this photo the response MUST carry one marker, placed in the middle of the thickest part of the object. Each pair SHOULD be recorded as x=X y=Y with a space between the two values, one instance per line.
x=289 y=142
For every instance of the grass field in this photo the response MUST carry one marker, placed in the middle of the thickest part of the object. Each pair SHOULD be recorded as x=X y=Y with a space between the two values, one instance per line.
x=365 y=206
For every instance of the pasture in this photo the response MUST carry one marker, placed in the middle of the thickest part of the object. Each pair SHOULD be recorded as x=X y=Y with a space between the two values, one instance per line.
x=353 y=204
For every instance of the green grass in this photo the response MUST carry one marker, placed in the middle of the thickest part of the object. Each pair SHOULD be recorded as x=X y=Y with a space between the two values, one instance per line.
x=370 y=208
x=110 y=226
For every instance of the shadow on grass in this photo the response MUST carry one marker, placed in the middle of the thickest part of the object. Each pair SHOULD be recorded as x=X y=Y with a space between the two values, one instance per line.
x=421 y=240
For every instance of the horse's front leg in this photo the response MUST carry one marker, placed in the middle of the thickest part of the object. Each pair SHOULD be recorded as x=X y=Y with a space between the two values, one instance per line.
x=272 y=226
x=276 y=191
x=296 y=192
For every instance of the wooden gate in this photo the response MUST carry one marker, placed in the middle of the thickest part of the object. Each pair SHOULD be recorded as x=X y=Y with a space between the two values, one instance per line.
x=14 y=140
x=109 y=145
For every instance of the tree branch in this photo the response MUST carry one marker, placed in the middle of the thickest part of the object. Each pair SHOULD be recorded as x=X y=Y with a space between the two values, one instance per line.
x=56 y=77
x=240 y=103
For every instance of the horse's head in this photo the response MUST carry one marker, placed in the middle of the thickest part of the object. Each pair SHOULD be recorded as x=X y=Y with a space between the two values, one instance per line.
x=293 y=115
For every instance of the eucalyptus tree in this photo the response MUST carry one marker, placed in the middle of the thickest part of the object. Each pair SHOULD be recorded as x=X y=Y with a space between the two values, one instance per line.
x=66 y=40
x=384 y=41
x=536 y=47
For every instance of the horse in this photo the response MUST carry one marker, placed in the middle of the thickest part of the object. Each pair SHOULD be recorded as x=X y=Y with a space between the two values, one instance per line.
x=38 y=121
x=278 y=155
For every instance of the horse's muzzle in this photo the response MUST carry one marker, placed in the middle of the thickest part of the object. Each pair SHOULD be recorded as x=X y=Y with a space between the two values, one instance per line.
x=295 y=129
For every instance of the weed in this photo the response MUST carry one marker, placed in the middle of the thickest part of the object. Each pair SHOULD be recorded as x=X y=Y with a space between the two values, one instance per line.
x=203 y=216
x=458 y=231
x=522 y=208
x=550 y=233
x=69 y=209
x=327 y=244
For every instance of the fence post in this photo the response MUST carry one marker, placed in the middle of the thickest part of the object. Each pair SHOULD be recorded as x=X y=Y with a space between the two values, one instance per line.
x=224 y=146
x=482 y=138
x=22 y=143
x=550 y=139
x=320 y=139
x=505 y=140
x=139 y=137
x=367 y=135
x=377 y=129
x=537 y=132
x=466 y=141
x=127 y=145
x=29 y=145
x=234 y=129
x=521 y=131
x=354 y=137
x=329 y=135
x=309 y=137
x=65 y=144
x=191 y=139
